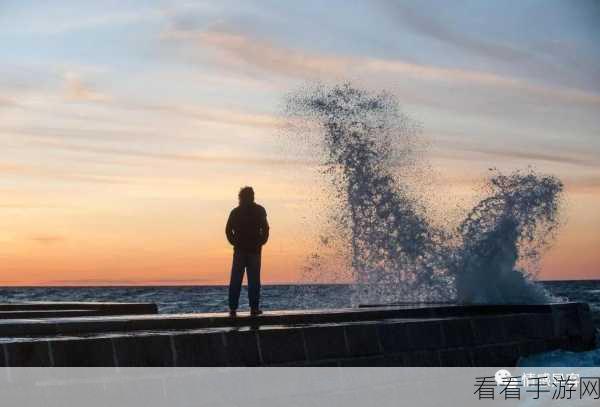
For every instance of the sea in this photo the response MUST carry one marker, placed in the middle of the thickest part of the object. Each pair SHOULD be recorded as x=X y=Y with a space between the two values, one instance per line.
x=190 y=299
x=202 y=299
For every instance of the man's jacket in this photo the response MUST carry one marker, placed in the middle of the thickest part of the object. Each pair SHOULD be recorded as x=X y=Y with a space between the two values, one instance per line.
x=247 y=228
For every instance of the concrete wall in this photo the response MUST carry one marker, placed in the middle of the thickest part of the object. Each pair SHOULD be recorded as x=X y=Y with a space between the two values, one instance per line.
x=482 y=339
x=73 y=309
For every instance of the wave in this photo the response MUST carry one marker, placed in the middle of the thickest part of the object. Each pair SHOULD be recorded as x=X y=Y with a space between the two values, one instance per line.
x=396 y=252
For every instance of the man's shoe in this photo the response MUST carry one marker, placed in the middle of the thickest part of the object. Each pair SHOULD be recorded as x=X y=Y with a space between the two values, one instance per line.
x=232 y=313
x=255 y=312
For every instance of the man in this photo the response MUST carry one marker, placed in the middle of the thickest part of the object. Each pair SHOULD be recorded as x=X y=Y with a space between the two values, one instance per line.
x=247 y=230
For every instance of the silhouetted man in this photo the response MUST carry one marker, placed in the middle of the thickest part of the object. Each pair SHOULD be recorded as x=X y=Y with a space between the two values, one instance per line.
x=247 y=230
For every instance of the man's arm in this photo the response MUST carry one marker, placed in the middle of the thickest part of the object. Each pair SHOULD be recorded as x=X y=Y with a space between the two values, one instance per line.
x=264 y=228
x=229 y=231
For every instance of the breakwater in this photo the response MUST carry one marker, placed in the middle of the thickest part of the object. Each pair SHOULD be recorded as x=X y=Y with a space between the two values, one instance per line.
x=406 y=335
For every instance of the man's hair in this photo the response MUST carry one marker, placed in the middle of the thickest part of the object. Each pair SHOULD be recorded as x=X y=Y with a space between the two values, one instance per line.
x=246 y=195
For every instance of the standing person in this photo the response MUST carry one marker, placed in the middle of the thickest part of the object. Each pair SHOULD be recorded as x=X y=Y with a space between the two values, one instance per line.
x=247 y=230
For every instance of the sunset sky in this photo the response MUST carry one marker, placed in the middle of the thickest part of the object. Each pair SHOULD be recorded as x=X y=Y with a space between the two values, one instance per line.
x=127 y=127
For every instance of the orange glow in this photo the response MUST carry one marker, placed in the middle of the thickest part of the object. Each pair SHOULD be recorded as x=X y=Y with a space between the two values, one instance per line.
x=124 y=236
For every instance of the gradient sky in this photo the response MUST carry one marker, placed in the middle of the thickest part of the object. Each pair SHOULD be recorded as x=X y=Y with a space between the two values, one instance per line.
x=127 y=127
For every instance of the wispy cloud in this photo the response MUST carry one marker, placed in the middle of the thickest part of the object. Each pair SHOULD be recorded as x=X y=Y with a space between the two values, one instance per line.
x=586 y=184
x=470 y=77
x=26 y=206
x=58 y=20
x=215 y=115
x=540 y=156
x=47 y=239
x=47 y=173
x=427 y=24
x=199 y=158
x=6 y=101
x=235 y=49
x=78 y=91
x=450 y=150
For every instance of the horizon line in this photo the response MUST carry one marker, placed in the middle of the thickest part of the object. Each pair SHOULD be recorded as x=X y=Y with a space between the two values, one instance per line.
x=175 y=285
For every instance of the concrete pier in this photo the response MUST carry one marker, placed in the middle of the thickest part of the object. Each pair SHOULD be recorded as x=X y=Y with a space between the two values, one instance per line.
x=73 y=309
x=408 y=335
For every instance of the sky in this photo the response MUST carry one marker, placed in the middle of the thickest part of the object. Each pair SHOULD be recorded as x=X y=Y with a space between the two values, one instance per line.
x=128 y=127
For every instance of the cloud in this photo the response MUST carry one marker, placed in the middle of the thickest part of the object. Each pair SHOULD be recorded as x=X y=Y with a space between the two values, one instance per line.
x=560 y=61
x=571 y=159
x=77 y=91
x=11 y=168
x=427 y=25
x=226 y=116
x=59 y=20
x=556 y=158
x=257 y=160
x=5 y=101
x=38 y=172
x=587 y=184
x=471 y=77
x=47 y=239
x=236 y=49
x=25 y=206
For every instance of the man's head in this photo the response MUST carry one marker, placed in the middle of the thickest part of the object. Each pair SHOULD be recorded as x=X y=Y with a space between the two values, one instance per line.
x=246 y=195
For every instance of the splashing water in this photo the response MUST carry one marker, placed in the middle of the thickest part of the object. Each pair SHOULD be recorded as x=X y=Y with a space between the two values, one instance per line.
x=393 y=248
x=396 y=253
x=512 y=225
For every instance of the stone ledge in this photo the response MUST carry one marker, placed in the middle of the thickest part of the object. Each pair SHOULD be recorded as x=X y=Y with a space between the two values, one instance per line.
x=135 y=322
x=23 y=310
x=483 y=340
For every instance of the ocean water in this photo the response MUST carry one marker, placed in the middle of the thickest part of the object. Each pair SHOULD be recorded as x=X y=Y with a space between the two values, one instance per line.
x=581 y=291
x=189 y=299
x=186 y=299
